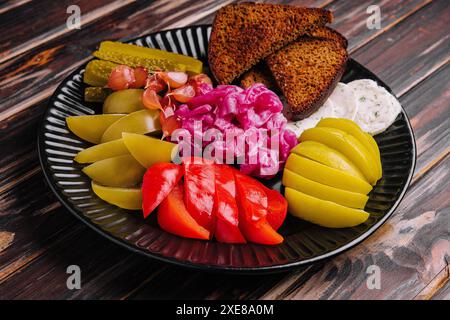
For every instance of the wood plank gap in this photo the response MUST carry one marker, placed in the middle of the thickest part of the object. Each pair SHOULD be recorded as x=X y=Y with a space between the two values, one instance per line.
x=437 y=283
x=430 y=166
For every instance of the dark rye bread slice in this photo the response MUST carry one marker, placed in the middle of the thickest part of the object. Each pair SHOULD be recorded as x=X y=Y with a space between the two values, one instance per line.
x=244 y=34
x=307 y=71
x=261 y=73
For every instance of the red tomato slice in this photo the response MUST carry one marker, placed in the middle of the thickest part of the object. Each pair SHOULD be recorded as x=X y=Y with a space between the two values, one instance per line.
x=158 y=182
x=225 y=207
x=252 y=203
x=277 y=208
x=173 y=217
x=199 y=191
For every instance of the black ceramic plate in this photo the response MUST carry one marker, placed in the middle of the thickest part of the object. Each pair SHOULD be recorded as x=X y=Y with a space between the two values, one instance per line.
x=304 y=243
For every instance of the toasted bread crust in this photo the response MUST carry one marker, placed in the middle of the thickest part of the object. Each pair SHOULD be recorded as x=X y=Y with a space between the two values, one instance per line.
x=260 y=73
x=330 y=34
x=307 y=72
x=245 y=33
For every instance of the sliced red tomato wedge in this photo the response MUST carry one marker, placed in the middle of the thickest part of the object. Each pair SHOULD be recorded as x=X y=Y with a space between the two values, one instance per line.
x=199 y=189
x=225 y=206
x=252 y=203
x=277 y=208
x=158 y=182
x=174 y=217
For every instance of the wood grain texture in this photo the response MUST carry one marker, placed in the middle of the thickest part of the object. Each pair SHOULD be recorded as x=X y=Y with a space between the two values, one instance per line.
x=8 y=5
x=412 y=50
x=410 y=249
x=26 y=32
x=32 y=77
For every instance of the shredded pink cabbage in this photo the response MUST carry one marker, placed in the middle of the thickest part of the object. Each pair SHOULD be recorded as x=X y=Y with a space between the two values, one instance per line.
x=243 y=112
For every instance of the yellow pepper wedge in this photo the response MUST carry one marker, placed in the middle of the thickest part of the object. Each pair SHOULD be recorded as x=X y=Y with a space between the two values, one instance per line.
x=91 y=128
x=330 y=157
x=353 y=129
x=120 y=171
x=324 y=192
x=348 y=145
x=324 y=213
x=126 y=198
x=376 y=151
x=102 y=151
x=326 y=175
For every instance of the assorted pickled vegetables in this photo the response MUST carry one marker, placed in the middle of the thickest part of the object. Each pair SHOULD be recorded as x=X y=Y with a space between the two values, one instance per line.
x=147 y=94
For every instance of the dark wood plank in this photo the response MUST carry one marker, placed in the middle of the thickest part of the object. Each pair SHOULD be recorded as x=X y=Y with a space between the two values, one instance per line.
x=412 y=49
x=351 y=19
x=37 y=22
x=32 y=77
x=7 y=5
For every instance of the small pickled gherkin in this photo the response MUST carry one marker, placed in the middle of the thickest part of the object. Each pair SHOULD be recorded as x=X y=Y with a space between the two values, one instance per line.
x=96 y=94
x=152 y=59
x=124 y=101
x=97 y=72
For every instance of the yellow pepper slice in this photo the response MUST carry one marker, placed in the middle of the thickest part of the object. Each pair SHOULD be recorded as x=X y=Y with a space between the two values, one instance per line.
x=324 y=213
x=326 y=175
x=348 y=145
x=330 y=157
x=324 y=192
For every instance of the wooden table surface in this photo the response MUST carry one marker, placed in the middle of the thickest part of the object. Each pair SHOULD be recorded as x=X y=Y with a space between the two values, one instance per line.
x=39 y=239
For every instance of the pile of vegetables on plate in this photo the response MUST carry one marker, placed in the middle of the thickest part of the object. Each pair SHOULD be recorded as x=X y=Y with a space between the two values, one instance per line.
x=147 y=94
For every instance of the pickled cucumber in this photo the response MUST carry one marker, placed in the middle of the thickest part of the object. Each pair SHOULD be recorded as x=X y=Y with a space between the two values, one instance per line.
x=97 y=72
x=102 y=151
x=92 y=127
x=96 y=94
x=153 y=59
x=142 y=121
x=120 y=171
x=124 y=101
x=146 y=150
